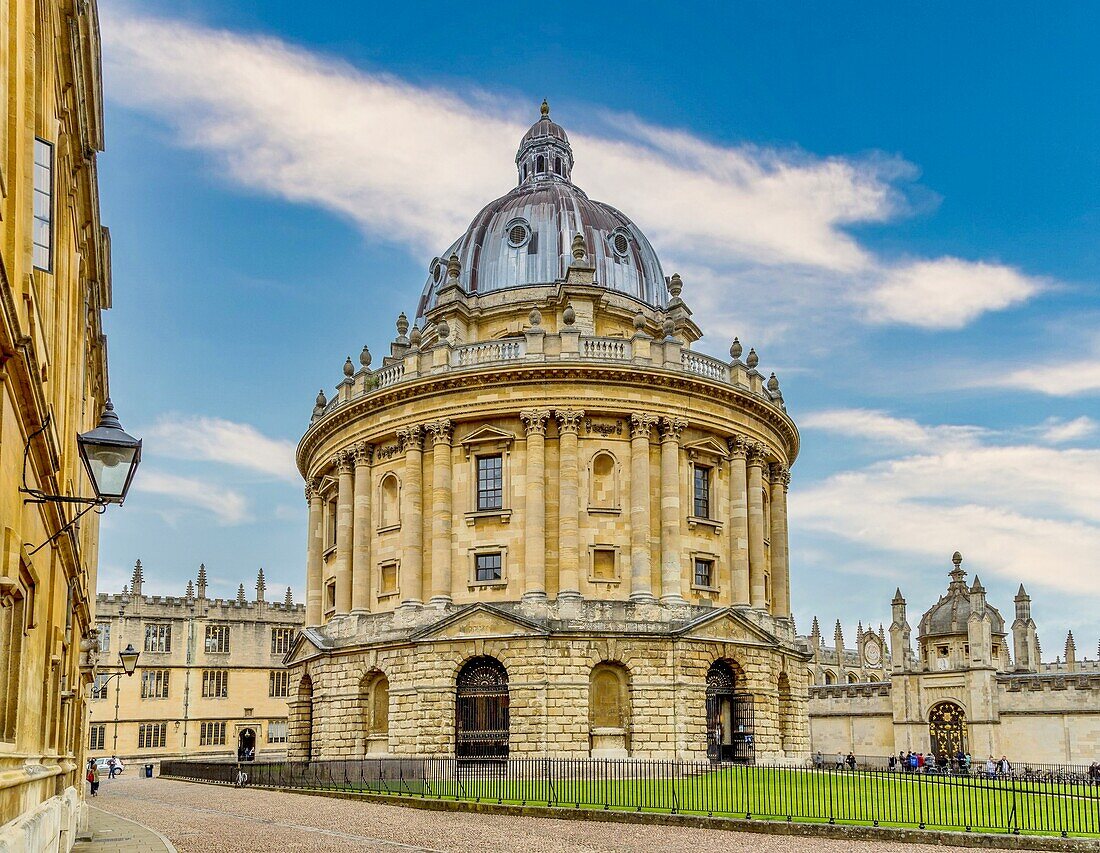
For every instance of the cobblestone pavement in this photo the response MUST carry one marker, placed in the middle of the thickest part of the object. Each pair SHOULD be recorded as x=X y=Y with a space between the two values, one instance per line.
x=217 y=819
x=108 y=833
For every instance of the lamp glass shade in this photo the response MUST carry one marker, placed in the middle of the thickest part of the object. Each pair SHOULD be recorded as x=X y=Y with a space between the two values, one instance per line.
x=111 y=456
x=129 y=658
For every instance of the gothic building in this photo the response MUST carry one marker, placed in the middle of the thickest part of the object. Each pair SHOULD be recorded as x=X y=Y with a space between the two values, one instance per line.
x=972 y=683
x=546 y=523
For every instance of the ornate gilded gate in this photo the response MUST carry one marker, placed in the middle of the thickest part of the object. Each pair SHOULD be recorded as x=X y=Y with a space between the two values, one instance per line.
x=481 y=710
x=729 y=717
x=947 y=730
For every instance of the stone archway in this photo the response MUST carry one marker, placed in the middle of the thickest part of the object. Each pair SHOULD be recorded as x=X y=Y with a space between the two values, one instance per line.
x=947 y=730
x=730 y=735
x=246 y=744
x=481 y=710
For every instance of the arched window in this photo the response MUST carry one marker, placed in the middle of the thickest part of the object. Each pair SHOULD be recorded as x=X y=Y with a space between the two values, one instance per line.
x=604 y=486
x=786 y=713
x=481 y=709
x=374 y=702
x=829 y=677
x=557 y=165
x=525 y=171
x=609 y=710
x=389 y=505
x=853 y=678
x=302 y=739
x=540 y=164
x=767 y=504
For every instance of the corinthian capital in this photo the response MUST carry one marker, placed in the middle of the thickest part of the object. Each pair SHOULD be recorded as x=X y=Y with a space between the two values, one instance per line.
x=781 y=474
x=641 y=423
x=411 y=438
x=534 y=420
x=363 y=453
x=671 y=428
x=313 y=488
x=569 y=420
x=758 y=456
x=738 y=446
x=343 y=461
x=440 y=431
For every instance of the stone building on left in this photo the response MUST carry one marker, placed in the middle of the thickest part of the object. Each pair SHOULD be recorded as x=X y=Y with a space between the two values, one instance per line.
x=210 y=680
x=55 y=282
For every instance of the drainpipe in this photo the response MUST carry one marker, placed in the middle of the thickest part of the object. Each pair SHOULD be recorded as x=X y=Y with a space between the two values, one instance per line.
x=187 y=675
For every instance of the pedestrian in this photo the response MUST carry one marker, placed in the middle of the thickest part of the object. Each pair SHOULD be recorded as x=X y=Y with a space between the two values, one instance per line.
x=1094 y=774
x=112 y=762
x=912 y=756
x=840 y=761
x=1003 y=767
x=892 y=764
x=851 y=760
x=93 y=776
x=990 y=767
x=819 y=760
x=920 y=762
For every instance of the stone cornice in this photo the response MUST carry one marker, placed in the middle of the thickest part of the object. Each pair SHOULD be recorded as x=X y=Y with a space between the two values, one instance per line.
x=512 y=376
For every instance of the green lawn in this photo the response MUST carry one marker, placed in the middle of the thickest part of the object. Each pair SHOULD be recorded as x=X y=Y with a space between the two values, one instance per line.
x=801 y=795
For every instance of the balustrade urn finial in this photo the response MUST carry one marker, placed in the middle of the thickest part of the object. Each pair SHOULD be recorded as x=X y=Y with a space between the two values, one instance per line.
x=321 y=402
x=364 y=357
x=569 y=315
x=454 y=267
x=415 y=336
x=580 y=250
x=402 y=324
x=773 y=384
x=669 y=327
x=675 y=285
x=535 y=317
x=349 y=368
x=752 y=360
x=639 y=322
x=443 y=331
x=736 y=349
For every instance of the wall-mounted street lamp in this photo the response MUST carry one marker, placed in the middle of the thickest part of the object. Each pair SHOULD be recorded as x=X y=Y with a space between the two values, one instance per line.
x=110 y=456
x=128 y=657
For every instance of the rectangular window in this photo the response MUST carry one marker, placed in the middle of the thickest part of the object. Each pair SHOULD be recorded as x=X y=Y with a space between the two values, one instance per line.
x=279 y=683
x=43 y=205
x=212 y=734
x=702 y=491
x=215 y=684
x=104 y=636
x=331 y=523
x=280 y=640
x=488 y=567
x=217 y=639
x=154 y=684
x=276 y=731
x=97 y=736
x=99 y=686
x=704 y=572
x=388 y=578
x=151 y=735
x=490 y=482
x=330 y=595
x=603 y=564
x=158 y=638
x=11 y=653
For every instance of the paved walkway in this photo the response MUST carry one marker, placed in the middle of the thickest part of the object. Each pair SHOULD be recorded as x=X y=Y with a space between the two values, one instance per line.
x=108 y=832
x=219 y=819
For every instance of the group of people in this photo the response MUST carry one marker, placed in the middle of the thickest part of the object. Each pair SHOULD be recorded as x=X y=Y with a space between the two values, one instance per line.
x=1094 y=774
x=94 y=774
x=919 y=762
x=842 y=761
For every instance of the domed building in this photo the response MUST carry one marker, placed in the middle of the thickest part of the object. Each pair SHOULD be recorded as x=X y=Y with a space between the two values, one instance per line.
x=545 y=524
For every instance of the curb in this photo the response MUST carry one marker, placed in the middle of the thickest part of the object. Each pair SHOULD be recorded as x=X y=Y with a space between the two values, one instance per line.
x=845 y=832
x=168 y=845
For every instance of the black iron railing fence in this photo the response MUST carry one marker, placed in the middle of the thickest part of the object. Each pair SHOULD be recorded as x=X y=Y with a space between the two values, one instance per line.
x=1039 y=799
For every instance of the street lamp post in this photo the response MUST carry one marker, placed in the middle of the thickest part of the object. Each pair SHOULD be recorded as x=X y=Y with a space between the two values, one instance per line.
x=111 y=457
x=128 y=657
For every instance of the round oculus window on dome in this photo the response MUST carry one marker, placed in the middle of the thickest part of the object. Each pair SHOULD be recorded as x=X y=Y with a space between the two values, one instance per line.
x=620 y=244
x=436 y=270
x=518 y=234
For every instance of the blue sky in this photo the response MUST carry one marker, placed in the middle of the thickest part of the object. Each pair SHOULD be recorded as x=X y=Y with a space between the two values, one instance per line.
x=897 y=208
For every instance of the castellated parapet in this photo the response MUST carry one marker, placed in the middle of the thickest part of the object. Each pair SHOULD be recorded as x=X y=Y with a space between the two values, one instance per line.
x=546 y=524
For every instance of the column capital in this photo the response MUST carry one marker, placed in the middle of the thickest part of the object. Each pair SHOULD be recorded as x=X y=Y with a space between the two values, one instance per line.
x=440 y=430
x=672 y=428
x=534 y=420
x=343 y=461
x=641 y=423
x=569 y=420
x=313 y=488
x=411 y=438
x=781 y=474
x=758 y=455
x=363 y=453
x=738 y=446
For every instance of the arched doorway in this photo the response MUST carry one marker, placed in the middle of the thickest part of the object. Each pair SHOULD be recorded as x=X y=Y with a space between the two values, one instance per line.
x=947 y=730
x=246 y=745
x=729 y=716
x=374 y=700
x=609 y=711
x=481 y=710
x=305 y=716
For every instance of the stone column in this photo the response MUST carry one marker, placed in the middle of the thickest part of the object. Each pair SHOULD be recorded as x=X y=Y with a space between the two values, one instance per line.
x=345 y=508
x=757 y=562
x=641 y=560
x=314 y=547
x=534 y=512
x=739 y=520
x=781 y=589
x=568 y=504
x=360 y=553
x=441 y=432
x=671 y=514
x=412 y=506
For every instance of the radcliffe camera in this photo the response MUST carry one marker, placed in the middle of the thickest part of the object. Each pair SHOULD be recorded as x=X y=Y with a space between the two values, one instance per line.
x=572 y=429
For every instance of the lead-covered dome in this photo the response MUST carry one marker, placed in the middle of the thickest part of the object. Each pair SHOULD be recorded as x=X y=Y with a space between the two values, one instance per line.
x=950 y=614
x=525 y=237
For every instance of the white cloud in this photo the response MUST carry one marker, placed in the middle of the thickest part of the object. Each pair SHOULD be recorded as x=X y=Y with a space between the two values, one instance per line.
x=411 y=164
x=889 y=430
x=226 y=505
x=1062 y=379
x=945 y=293
x=1057 y=431
x=219 y=440
x=1024 y=512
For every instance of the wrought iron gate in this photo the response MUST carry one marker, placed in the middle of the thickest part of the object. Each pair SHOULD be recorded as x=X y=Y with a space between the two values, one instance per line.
x=729 y=717
x=947 y=730
x=481 y=710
